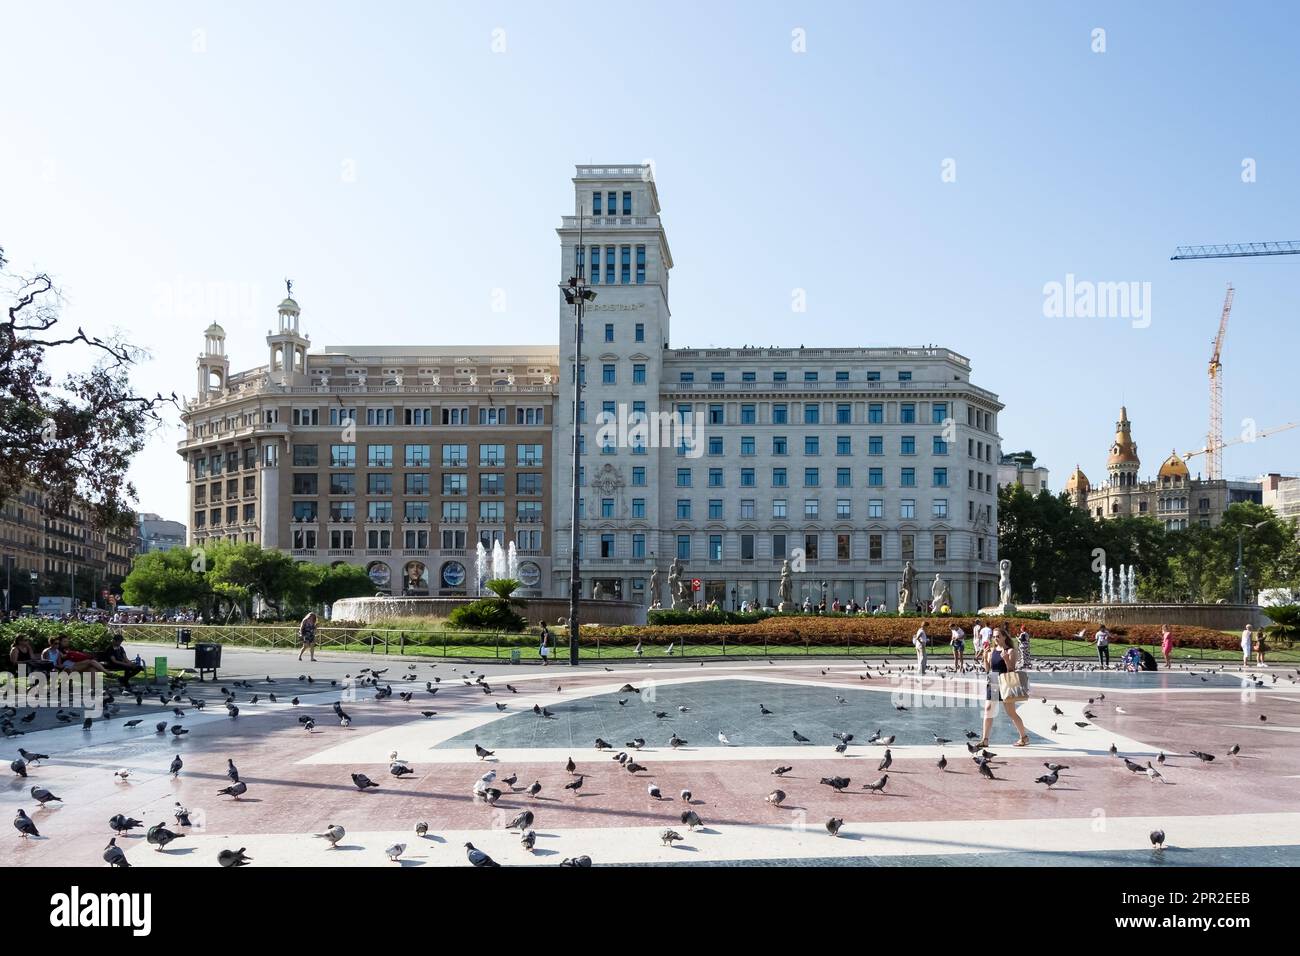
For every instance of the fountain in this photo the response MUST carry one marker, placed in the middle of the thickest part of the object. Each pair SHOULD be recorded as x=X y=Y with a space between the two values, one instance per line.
x=498 y=560
x=480 y=567
x=512 y=562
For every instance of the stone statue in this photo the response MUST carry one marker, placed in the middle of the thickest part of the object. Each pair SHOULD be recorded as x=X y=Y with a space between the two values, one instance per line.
x=654 y=587
x=598 y=592
x=906 y=587
x=787 y=586
x=1004 y=582
x=1033 y=592
x=675 y=581
x=940 y=595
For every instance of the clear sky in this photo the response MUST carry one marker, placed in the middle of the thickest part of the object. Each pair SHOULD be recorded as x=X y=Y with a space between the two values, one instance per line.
x=401 y=161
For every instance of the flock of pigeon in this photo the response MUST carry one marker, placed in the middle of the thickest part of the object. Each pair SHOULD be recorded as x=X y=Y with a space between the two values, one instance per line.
x=488 y=788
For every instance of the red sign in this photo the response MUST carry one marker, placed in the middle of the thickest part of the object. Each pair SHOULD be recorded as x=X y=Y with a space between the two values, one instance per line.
x=695 y=584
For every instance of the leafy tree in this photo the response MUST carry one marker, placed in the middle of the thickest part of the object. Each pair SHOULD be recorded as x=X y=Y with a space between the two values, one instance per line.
x=77 y=433
x=327 y=584
x=167 y=579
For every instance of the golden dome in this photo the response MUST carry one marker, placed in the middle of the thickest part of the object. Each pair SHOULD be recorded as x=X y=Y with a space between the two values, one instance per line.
x=1123 y=451
x=1174 y=467
x=1077 y=481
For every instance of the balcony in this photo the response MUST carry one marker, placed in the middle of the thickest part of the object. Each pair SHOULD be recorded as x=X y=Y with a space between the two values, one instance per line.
x=611 y=222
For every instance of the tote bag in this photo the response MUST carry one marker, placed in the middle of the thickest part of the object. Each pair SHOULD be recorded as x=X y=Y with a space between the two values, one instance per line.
x=1014 y=685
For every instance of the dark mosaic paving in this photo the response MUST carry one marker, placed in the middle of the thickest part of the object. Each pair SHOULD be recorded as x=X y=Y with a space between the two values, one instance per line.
x=732 y=707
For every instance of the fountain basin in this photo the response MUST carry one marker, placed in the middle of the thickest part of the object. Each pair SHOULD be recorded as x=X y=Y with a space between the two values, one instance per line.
x=368 y=610
x=1219 y=617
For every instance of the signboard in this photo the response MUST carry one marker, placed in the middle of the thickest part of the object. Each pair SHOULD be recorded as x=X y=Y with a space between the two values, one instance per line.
x=695 y=584
x=160 y=668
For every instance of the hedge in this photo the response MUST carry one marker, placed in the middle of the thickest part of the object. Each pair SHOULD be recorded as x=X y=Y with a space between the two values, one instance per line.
x=86 y=637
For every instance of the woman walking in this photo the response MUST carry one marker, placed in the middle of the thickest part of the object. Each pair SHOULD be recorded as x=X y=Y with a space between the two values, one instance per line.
x=958 y=641
x=544 y=646
x=1102 y=639
x=1166 y=644
x=999 y=661
x=1247 y=645
x=919 y=640
x=307 y=635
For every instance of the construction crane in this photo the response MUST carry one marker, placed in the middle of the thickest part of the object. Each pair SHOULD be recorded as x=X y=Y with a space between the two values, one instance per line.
x=1236 y=250
x=1231 y=250
x=1214 y=439
x=1187 y=456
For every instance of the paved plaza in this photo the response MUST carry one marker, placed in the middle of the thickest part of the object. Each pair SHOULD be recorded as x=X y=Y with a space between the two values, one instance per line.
x=1234 y=810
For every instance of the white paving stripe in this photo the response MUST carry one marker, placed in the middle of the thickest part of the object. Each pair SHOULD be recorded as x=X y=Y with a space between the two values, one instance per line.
x=792 y=839
x=418 y=739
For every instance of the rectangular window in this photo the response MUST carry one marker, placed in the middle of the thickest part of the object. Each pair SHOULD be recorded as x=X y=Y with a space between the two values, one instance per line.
x=415 y=483
x=875 y=414
x=379 y=456
x=940 y=548
x=778 y=547
x=747 y=511
x=941 y=477
x=379 y=416
x=343 y=484
x=843 y=445
x=607 y=374
x=595 y=203
x=715 y=415
x=875 y=445
x=907 y=543
x=843 y=508
x=747 y=444
x=683 y=509
x=715 y=477
x=715 y=509
x=304 y=456
x=638 y=544
x=811 y=477
x=638 y=476
x=609 y=261
x=875 y=547
x=640 y=269
x=842 y=547
x=904 y=376
x=810 y=376
x=715 y=445
x=939 y=508
x=747 y=477
x=908 y=445
x=303 y=484
x=939 y=413
x=416 y=512
x=747 y=547
x=607 y=507
x=595 y=265
x=876 y=477
x=778 y=508
x=684 y=547
x=686 y=378
x=811 y=445
x=627 y=204
x=907 y=413
x=907 y=478
x=609 y=331
x=379 y=483
x=779 y=445
x=683 y=477
x=492 y=455
x=812 y=413
x=380 y=512
x=638 y=373
x=417 y=456
x=491 y=483
x=343 y=511
x=779 y=478
x=638 y=507
x=455 y=484
x=907 y=508
x=780 y=413
x=747 y=415
x=418 y=416
x=528 y=456
x=843 y=478
x=939 y=446
x=843 y=413
x=718 y=378
x=779 y=377
x=810 y=547
x=811 y=507
x=749 y=376
x=625 y=265
x=876 y=508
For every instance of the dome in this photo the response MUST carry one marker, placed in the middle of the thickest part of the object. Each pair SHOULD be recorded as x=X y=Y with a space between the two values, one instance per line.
x=288 y=305
x=1077 y=481
x=1174 y=467
x=215 y=331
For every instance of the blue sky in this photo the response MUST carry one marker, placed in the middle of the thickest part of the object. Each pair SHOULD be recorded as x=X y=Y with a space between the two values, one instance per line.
x=401 y=170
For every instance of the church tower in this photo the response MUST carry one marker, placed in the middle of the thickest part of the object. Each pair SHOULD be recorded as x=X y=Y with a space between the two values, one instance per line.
x=1123 y=463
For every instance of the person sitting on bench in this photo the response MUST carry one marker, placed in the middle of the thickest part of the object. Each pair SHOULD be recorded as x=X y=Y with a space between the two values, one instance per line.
x=115 y=659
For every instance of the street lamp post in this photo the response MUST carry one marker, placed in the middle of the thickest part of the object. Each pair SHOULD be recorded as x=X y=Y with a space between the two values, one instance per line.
x=577 y=294
x=1241 y=533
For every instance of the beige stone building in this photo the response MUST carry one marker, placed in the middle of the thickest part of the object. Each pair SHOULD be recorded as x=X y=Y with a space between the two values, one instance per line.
x=397 y=459
x=1173 y=497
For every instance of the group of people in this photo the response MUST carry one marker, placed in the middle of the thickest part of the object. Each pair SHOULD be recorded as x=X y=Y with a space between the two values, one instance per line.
x=60 y=657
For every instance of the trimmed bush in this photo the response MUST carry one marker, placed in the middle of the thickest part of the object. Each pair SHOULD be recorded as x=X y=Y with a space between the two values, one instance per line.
x=489 y=614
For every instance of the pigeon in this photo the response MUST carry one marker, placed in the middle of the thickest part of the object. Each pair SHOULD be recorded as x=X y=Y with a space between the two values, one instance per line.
x=668 y=837
x=121 y=823
x=481 y=753
x=674 y=741
x=800 y=737
x=182 y=815
x=885 y=741
x=775 y=797
x=781 y=771
x=113 y=854
x=1158 y=839
x=943 y=762
x=528 y=839
x=691 y=819
x=654 y=792
x=87 y=723
x=309 y=725
x=477 y=857
x=986 y=771
x=574 y=785
x=1232 y=752
x=399 y=769
x=175 y=768
x=160 y=727
x=535 y=789
x=570 y=766
x=836 y=783
x=636 y=743
x=833 y=825
x=841 y=748
x=123 y=773
x=23 y=824
x=1047 y=779
x=229 y=858
x=235 y=790
x=887 y=761
x=510 y=780
x=1057 y=767
x=178 y=730
x=578 y=861
x=160 y=836
x=764 y=711
x=232 y=771
x=43 y=796
x=941 y=740
x=333 y=833
x=878 y=786
x=522 y=821
x=395 y=851
x=1133 y=767
x=633 y=767
x=722 y=739
x=19 y=766
x=1153 y=774
x=1203 y=757
x=32 y=758
x=687 y=796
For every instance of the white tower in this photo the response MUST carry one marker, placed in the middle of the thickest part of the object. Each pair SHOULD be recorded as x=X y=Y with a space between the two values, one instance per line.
x=617 y=241
x=288 y=346
x=213 y=365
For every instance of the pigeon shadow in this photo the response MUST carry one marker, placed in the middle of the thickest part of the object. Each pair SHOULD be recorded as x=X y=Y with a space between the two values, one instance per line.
x=687 y=847
x=538 y=851
x=433 y=837
x=179 y=851
x=410 y=862
x=347 y=847
x=705 y=830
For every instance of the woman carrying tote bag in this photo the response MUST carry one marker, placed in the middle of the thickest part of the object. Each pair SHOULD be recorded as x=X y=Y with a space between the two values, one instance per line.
x=1005 y=684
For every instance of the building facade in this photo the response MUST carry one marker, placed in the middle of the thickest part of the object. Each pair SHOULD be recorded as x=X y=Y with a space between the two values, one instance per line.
x=1019 y=468
x=397 y=459
x=847 y=462
x=62 y=548
x=155 y=533
x=1282 y=494
x=1173 y=497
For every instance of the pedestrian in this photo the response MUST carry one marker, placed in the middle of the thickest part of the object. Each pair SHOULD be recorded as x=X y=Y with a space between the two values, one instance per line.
x=919 y=640
x=1166 y=644
x=1247 y=645
x=307 y=635
x=1260 y=649
x=544 y=645
x=1022 y=649
x=1102 y=640
x=1006 y=685
x=958 y=642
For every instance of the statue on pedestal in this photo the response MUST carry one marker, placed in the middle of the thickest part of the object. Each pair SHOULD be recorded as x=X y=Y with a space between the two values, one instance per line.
x=787 y=587
x=675 y=582
x=940 y=595
x=906 y=587
x=654 y=587
x=598 y=592
x=1004 y=586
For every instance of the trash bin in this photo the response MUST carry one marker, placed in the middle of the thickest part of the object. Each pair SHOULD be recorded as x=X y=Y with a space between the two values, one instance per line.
x=207 y=657
x=160 y=668
x=182 y=636
x=514 y=655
